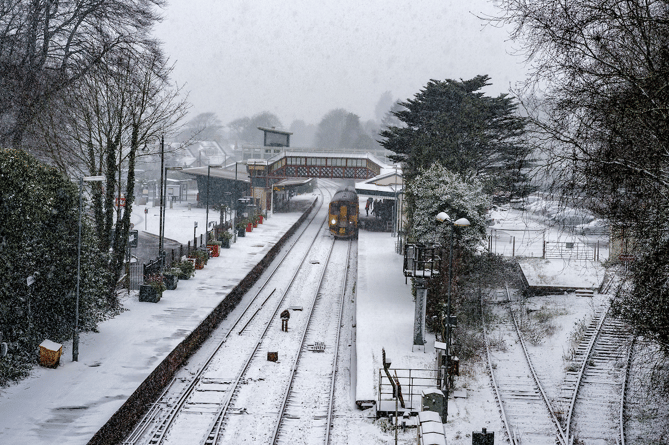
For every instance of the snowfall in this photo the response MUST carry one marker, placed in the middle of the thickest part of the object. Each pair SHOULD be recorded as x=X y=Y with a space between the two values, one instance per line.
x=68 y=405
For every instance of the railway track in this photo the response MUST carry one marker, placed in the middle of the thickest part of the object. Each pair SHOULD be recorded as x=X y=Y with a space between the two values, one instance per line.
x=526 y=412
x=595 y=383
x=308 y=403
x=270 y=397
x=204 y=399
x=592 y=398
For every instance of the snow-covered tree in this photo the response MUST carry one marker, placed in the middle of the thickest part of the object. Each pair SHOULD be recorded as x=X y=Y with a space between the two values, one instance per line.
x=434 y=190
x=437 y=189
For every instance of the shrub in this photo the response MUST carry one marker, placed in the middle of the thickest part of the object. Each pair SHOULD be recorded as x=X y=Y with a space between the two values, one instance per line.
x=185 y=269
x=156 y=282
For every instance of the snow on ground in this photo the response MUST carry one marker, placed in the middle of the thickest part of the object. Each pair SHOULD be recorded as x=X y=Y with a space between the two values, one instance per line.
x=384 y=314
x=69 y=404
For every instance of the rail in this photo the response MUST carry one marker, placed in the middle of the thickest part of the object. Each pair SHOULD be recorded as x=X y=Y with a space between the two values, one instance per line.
x=216 y=426
x=156 y=408
x=495 y=387
x=296 y=362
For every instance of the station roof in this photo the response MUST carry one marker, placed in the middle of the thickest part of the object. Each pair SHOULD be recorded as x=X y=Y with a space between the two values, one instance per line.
x=219 y=173
x=274 y=130
x=292 y=182
x=386 y=184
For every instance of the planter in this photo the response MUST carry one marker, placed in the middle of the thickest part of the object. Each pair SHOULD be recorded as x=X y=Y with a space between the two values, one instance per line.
x=225 y=243
x=241 y=232
x=259 y=219
x=249 y=227
x=148 y=294
x=214 y=250
x=170 y=281
x=199 y=263
x=255 y=224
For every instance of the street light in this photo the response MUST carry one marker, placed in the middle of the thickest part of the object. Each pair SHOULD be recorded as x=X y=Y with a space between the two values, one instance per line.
x=462 y=222
x=163 y=214
x=206 y=222
x=75 y=337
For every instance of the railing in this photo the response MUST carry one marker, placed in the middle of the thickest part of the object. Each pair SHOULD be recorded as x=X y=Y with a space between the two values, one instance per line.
x=412 y=382
x=575 y=251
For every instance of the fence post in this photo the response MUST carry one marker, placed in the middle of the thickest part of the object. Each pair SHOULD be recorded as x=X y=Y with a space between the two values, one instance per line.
x=543 y=255
x=513 y=251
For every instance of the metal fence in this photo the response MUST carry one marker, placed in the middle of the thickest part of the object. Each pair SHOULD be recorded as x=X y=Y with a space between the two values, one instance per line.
x=574 y=251
x=136 y=275
x=412 y=382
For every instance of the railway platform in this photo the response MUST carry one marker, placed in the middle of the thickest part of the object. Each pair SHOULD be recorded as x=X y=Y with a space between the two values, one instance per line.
x=70 y=404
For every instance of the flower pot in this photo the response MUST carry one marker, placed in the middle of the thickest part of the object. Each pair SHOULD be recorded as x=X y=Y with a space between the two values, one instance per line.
x=225 y=243
x=249 y=227
x=170 y=281
x=259 y=219
x=241 y=232
x=214 y=250
x=148 y=294
x=199 y=262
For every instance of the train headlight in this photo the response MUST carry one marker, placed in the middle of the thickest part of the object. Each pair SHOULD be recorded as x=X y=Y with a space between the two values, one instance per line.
x=334 y=221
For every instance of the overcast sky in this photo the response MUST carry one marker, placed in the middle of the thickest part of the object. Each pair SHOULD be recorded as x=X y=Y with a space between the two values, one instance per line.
x=301 y=58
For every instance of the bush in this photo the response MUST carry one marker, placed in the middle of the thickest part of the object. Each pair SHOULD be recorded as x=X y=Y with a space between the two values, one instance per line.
x=156 y=282
x=184 y=269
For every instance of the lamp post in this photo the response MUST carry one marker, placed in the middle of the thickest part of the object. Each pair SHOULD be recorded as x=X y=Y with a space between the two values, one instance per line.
x=75 y=336
x=206 y=222
x=462 y=222
x=163 y=213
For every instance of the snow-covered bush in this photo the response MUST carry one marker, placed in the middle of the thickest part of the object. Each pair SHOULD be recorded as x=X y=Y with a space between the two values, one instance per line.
x=438 y=190
x=38 y=260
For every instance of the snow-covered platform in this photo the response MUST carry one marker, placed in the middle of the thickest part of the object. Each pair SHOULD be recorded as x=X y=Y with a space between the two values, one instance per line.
x=69 y=404
x=384 y=316
x=560 y=275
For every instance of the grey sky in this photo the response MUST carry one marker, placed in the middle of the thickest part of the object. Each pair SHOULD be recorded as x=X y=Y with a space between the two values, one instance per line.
x=299 y=58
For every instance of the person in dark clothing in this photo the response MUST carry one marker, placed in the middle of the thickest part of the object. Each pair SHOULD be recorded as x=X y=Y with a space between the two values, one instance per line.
x=285 y=316
x=367 y=205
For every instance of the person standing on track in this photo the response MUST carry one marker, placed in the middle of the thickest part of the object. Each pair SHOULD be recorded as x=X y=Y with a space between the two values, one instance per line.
x=285 y=316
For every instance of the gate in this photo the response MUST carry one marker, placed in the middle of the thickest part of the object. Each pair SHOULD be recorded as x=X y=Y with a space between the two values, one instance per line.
x=574 y=251
x=136 y=275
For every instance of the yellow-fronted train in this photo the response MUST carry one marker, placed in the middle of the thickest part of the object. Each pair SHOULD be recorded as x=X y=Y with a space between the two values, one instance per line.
x=343 y=214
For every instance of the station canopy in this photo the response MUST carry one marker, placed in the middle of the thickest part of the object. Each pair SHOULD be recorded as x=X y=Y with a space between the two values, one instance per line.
x=388 y=184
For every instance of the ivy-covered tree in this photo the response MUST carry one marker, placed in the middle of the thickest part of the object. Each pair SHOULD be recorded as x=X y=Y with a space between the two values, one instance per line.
x=454 y=123
x=38 y=239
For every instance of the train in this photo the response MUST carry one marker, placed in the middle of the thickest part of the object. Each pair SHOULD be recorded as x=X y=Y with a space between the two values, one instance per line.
x=343 y=214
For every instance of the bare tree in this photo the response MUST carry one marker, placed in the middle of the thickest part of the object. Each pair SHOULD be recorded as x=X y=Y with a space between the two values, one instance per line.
x=102 y=127
x=598 y=99
x=46 y=46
